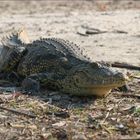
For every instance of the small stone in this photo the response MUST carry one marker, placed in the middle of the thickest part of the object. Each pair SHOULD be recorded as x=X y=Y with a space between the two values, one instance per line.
x=113 y=119
x=44 y=129
x=59 y=124
x=47 y=136
x=79 y=137
x=120 y=126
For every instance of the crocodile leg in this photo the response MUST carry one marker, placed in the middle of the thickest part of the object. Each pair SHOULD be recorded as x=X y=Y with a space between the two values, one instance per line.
x=12 y=78
x=33 y=82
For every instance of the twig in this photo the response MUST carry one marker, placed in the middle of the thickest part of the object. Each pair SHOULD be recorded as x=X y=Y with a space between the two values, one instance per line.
x=125 y=65
x=120 y=65
x=83 y=34
x=91 y=28
x=33 y=127
x=120 y=31
x=106 y=129
x=107 y=115
x=59 y=114
x=128 y=95
x=90 y=32
x=130 y=138
x=53 y=106
x=136 y=77
x=85 y=31
x=17 y=112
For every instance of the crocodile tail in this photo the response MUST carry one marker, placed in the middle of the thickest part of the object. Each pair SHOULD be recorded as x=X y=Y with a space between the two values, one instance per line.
x=15 y=38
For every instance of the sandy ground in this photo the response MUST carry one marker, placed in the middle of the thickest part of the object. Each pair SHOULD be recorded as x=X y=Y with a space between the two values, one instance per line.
x=114 y=36
x=64 y=20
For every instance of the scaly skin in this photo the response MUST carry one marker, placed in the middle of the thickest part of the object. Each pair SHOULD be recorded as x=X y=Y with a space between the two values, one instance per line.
x=59 y=65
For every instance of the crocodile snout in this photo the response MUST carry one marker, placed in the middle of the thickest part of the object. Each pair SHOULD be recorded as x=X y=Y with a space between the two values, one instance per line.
x=121 y=76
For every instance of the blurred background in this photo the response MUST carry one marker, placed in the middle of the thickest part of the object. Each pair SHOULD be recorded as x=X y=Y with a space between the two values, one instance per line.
x=108 y=29
x=35 y=6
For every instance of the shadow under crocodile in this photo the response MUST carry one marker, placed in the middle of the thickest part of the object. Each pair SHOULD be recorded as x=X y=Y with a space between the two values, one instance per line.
x=63 y=100
x=56 y=98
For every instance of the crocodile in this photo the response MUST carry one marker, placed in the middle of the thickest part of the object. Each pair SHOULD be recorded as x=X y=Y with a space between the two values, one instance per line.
x=57 y=64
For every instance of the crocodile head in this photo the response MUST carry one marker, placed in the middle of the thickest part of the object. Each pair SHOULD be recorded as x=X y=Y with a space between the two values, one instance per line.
x=94 y=79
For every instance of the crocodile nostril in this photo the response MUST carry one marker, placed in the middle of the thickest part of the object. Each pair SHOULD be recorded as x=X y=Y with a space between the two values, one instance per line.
x=119 y=75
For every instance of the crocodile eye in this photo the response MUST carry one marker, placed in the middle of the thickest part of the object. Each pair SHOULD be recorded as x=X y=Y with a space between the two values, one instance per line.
x=95 y=65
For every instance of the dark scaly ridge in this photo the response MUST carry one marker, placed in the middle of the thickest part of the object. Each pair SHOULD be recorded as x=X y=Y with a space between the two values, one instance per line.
x=15 y=38
x=65 y=45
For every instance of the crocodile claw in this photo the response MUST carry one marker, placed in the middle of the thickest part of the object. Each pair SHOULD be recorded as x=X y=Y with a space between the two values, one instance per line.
x=30 y=85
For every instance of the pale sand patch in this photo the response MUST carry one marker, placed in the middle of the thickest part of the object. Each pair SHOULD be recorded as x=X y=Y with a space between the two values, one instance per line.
x=64 y=20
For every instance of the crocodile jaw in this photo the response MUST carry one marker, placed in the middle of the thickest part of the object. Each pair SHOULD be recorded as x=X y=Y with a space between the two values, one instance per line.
x=100 y=92
x=104 y=90
x=96 y=91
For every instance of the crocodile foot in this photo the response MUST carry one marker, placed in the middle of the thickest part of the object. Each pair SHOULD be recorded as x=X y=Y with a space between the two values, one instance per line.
x=30 y=85
x=13 y=76
x=125 y=88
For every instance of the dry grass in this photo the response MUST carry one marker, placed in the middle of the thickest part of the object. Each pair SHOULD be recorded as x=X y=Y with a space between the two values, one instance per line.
x=52 y=115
